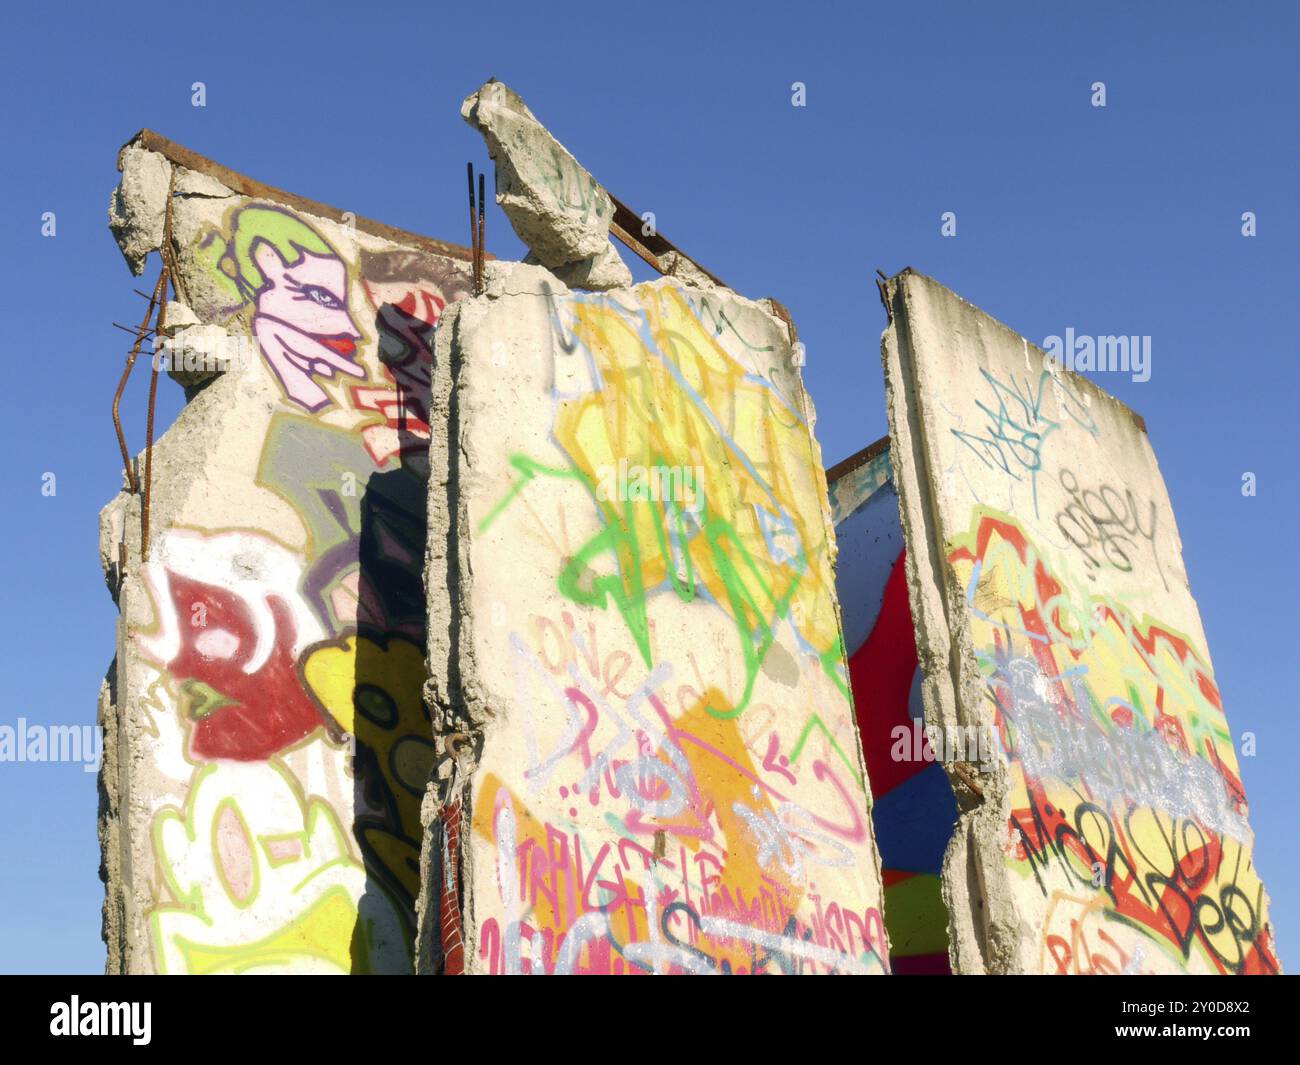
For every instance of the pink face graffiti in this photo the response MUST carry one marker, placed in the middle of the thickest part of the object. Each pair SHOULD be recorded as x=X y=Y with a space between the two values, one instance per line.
x=302 y=323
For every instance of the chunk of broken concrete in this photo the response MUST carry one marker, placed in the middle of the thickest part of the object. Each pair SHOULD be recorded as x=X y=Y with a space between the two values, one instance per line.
x=558 y=209
x=603 y=271
x=138 y=206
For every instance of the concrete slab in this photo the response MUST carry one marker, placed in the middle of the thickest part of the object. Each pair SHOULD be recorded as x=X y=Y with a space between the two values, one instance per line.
x=1053 y=612
x=267 y=749
x=651 y=762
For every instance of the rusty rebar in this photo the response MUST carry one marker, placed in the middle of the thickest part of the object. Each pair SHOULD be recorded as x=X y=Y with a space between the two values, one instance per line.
x=121 y=387
x=482 y=234
x=473 y=228
x=964 y=775
x=127 y=329
x=148 y=445
x=163 y=279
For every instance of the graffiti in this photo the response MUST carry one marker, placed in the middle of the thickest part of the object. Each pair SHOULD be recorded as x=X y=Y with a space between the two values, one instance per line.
x=1077 y=942
x=1017 y=428
x=1111 y=764
x=292 y=660
x=1125 y=777
x=913 y=808
x=615 y=926
x=680 y=791
x=374 y=691
x=410 y=293
x=572 y=189
x=265 y=885
x=1102 y=523
x=663 y=392
x=366 y=525
x=231 y=629
x=788 y=839
x=297 y=287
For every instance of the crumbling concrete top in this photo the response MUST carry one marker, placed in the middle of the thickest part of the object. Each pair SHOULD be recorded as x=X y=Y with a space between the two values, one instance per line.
x=200 y=166
x=558 y=209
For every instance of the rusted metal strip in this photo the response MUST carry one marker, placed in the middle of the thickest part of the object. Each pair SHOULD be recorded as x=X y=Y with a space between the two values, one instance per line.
x=860 y=458
x=780 y=310
x=964 y=775
x=636 y=246
x=148 y=447
x=246 y=186
x=654 y=247
x=882 y=290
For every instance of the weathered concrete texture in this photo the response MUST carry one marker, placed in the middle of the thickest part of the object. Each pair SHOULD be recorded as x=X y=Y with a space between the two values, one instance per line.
x=558 y=209
x=1052 y=607
x=267 y=748
x=136 y=209
x=913 y=812
x=651 y=762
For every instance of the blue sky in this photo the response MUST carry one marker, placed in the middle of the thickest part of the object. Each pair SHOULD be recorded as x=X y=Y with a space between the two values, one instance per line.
x=1121 y=220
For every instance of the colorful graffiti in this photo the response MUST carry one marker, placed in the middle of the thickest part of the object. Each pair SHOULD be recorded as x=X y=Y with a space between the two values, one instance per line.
x=410 y=292
x=680 y=791
x=289 y=643
x=297 y=286
x=747 y=538
x=261 y=880
x=1126 y=786
x=913 y=810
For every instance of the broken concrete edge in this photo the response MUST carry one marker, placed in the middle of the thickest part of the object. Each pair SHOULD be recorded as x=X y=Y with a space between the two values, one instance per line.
x=440 y=880
x=553 y=203
x=889 y=289
x=567 y=229
x=112 y=853
x=122 y=924
x=243 y=185
x=983 y=931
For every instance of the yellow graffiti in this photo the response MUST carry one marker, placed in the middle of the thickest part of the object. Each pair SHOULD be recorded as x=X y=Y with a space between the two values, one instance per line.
x=260 y=878
x=375 y=693
x=719 y=501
